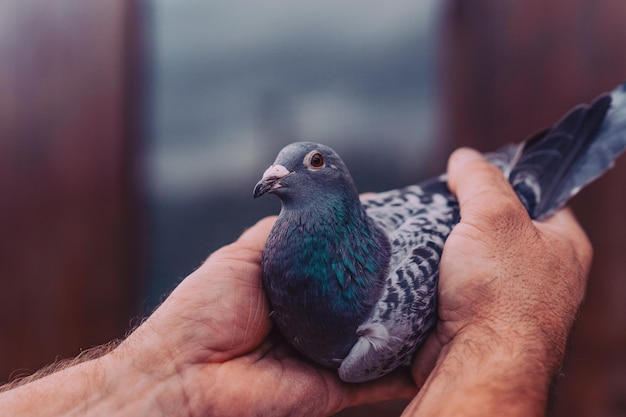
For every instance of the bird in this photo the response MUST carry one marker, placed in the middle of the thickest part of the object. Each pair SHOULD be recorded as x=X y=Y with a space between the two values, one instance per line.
x=352 y=280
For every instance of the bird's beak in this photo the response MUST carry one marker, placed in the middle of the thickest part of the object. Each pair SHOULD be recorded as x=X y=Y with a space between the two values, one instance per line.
x=271 y=180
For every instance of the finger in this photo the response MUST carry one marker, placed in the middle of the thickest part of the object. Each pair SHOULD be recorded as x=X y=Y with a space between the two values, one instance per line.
x=397 y=385
x=255 y=237
x=481 y=188
x=469 y=174
x=241 y=259
x=425 y=359
x=460 y=163
x=248 y=247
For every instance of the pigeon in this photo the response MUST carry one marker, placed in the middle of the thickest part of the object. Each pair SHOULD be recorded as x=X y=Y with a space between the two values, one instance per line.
x=352 y=281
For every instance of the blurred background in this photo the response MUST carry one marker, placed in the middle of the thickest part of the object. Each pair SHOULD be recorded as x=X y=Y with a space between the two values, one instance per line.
x=132 y=133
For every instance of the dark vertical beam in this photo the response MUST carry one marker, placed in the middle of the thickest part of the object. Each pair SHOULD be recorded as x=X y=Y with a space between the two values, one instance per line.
x=510 y=68
x=68 y=240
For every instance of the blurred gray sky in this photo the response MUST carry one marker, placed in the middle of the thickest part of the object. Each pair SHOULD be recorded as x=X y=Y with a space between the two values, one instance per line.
x=231 y=82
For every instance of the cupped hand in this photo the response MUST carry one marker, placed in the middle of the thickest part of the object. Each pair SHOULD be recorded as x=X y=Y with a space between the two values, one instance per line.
x=505 y=279
x=213 y=334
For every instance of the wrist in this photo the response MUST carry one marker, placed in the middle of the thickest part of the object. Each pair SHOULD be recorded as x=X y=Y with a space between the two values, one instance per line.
x=150 y=378
x=483 y=371
x=137 y=385
x=108 y=385
x=507 y=359
x=536 y=335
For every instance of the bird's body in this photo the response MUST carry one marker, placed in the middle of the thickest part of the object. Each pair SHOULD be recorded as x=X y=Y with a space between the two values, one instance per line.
x=353 y=281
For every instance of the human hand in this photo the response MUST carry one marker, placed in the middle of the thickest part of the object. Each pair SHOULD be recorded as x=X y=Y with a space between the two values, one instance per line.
x=509 y=287
x=212 y=338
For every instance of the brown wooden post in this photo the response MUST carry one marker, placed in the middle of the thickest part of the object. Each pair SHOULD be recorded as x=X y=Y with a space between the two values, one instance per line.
x=509 y=68
x=68 y=241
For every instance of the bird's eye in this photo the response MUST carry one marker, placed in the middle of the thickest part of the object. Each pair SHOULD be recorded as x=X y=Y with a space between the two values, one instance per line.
x=317 y=160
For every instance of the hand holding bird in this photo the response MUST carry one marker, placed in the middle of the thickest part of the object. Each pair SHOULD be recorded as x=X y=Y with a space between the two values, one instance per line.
x=353 y=282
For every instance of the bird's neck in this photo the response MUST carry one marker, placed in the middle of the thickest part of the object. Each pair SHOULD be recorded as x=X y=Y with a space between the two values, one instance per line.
x=343 y=253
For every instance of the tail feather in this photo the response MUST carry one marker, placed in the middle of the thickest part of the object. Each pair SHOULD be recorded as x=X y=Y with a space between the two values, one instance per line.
x=549 y=168
x=610 y=142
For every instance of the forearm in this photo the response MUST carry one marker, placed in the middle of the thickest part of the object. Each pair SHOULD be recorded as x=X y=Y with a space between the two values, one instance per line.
x=479 y=375
x=108 y=385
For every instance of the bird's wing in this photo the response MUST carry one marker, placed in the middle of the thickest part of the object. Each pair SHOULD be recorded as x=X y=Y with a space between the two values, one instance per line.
x=417 y=220
x=545 y=171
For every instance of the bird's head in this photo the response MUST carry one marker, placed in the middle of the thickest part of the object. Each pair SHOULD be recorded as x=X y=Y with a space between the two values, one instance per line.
x=306 y=171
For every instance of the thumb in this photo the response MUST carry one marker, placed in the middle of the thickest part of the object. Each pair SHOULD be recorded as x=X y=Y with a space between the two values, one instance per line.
x=481 y=188
x=248 y=247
